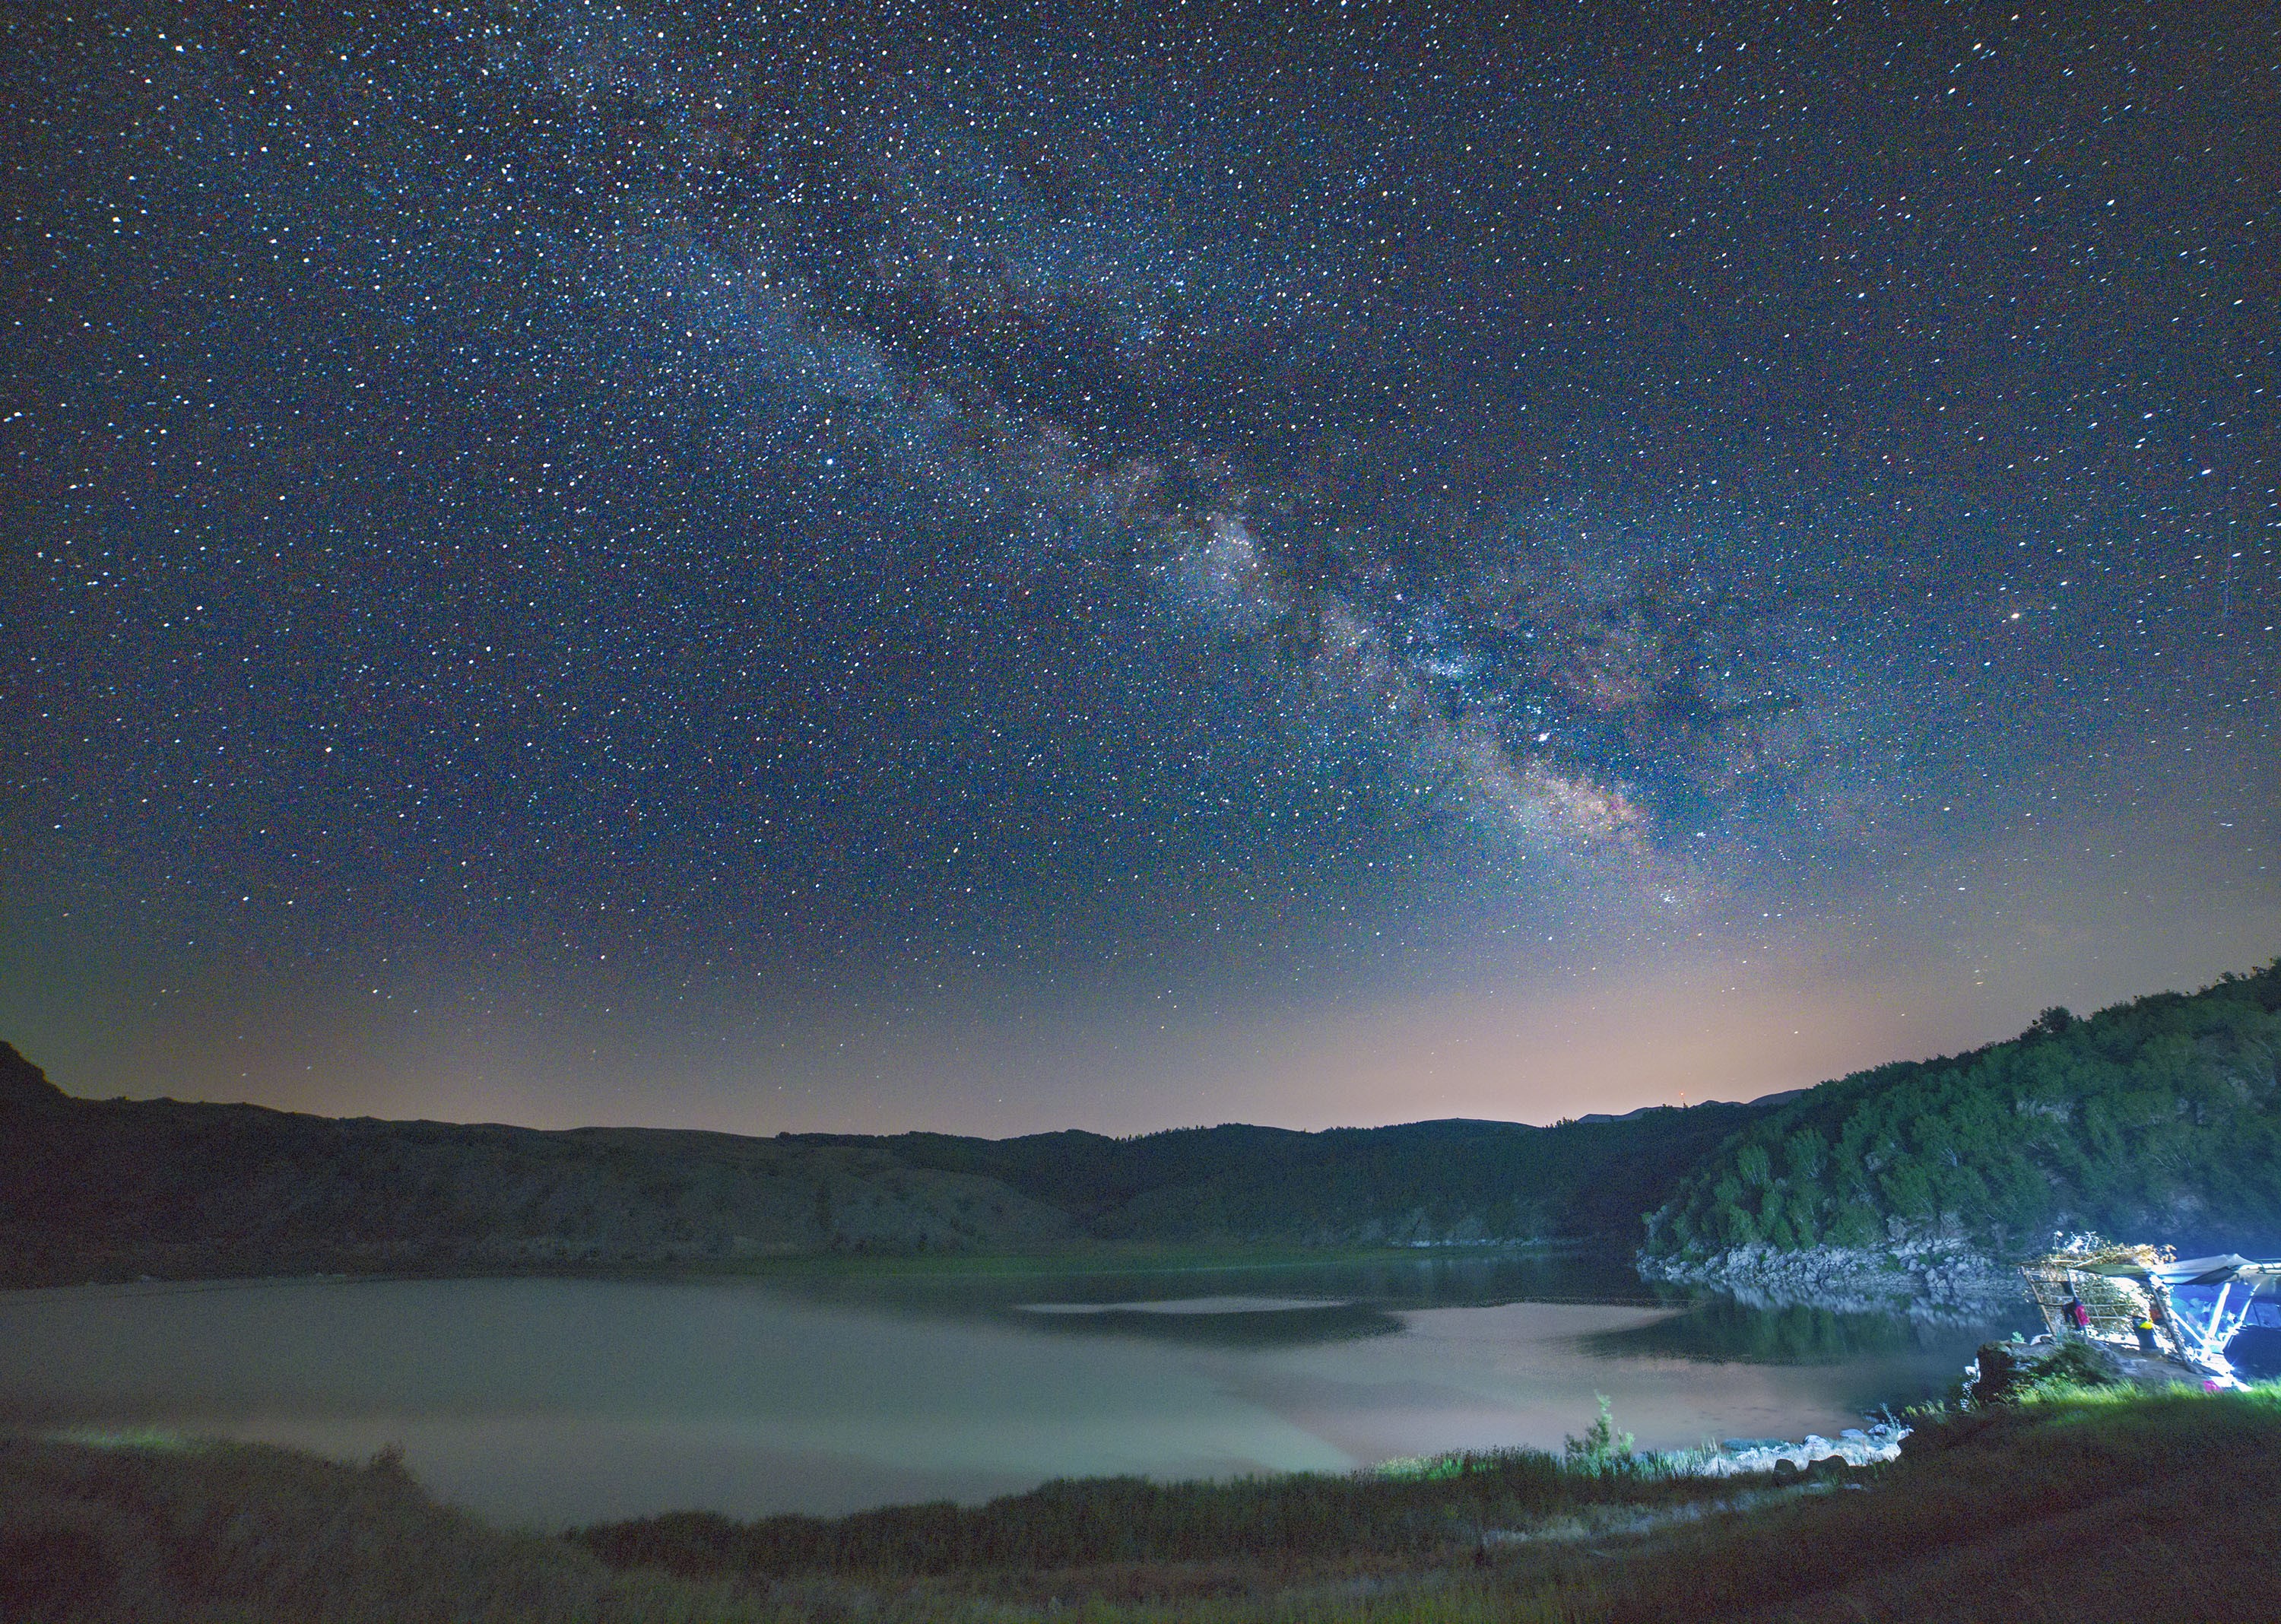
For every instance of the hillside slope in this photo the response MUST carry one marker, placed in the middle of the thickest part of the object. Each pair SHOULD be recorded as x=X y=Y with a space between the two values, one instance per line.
x=90 y=1188
x=101 y=1189
x=2160 y=1117
x=1421 y=1181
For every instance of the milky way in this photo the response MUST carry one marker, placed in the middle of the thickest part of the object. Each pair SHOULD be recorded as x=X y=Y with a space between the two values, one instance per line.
x=546 y=509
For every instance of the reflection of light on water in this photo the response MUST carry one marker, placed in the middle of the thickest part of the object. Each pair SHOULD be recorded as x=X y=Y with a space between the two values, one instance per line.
x=1191 y=1306
x=546 y=1402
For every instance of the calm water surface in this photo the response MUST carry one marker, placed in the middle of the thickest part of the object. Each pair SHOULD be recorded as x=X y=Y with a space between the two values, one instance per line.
x=545 y=1402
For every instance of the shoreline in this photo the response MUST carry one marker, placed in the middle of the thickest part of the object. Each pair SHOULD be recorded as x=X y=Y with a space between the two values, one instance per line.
x=1939 y=1280
x=184 y=1266
x=1936 y=1280
x=1594 y=1534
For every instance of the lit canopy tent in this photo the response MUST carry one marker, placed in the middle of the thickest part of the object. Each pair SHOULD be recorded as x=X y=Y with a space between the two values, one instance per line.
x=2196 y=1306
x=2212 y=1298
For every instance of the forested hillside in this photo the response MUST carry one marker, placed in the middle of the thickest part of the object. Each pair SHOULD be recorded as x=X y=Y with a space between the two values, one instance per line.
x=108 y=1188
x=99 y=1188
x=2160 y=1118
x=1454 y=1179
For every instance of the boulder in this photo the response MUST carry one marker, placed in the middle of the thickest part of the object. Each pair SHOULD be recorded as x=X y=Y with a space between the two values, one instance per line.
x=2003 y=1368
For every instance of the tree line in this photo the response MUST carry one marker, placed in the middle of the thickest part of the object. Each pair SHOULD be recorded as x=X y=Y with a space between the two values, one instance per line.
x=2155 y=1117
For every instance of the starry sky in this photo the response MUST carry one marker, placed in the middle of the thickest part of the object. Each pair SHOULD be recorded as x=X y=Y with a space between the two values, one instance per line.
x=866 y=566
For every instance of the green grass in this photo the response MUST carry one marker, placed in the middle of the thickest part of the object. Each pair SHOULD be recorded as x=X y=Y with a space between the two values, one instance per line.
x=155 y=1528
x=1289 y=1523
x=2107 y=1505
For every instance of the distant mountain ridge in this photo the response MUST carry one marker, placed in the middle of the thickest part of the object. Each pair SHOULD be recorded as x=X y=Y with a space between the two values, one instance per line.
x=110 y=1188
x=92 y=1189
x=1452 y=1180
x=2160 y=1118
x=1764 y=1099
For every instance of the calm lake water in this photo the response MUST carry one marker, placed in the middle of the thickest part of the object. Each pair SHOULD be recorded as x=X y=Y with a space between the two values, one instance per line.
x=549 y=1401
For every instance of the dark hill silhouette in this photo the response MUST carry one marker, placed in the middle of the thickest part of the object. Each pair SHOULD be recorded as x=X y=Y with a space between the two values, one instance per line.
x=2161 y=1116
x=112 y=1188
x=1454 y=1179
x=2157 y=1120
x=23 y=1085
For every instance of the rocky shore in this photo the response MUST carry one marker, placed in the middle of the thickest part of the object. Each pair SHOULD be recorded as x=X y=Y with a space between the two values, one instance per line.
x=1930 y=1278
x=1879 y=1442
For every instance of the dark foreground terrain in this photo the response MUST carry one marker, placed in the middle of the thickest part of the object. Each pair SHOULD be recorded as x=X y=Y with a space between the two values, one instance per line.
x=2074 y=1507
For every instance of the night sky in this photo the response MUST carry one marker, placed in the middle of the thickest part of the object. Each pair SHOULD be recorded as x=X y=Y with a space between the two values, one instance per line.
x=842 y=567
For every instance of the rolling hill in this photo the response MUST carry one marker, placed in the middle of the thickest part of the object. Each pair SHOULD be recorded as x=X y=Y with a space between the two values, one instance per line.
x=112 y=1188
x=2160 y=1117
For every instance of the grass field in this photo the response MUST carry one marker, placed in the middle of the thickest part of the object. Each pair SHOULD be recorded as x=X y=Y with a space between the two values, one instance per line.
x=2077 y=1506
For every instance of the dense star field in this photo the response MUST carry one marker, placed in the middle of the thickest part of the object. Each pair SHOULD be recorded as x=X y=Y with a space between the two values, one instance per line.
x=856 y=567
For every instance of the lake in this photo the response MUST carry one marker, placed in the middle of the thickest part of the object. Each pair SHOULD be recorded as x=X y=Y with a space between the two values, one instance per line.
x=546 y=1402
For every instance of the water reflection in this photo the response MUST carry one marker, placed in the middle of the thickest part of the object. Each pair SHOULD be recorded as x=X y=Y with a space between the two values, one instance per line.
x=1367 y=1293
x=1282 y=1327
x=1722 y=1330
x=549 y=1401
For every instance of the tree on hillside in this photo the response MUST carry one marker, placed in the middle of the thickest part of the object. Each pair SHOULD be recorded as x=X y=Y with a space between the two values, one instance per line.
x=2161 y=1115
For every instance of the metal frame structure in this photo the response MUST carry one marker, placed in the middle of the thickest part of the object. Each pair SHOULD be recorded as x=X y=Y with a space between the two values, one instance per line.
x=2118 y=1287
